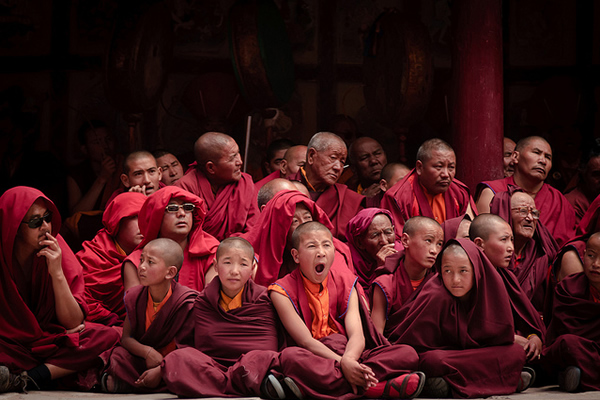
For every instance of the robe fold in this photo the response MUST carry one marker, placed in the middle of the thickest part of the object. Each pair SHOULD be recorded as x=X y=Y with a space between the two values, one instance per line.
x=557 y=214
x=232 y=210
x=31 y=334
x=407 y=199
x=573 y=337
x=101 y=261
x=450 y=226
x=468 y=343
x=579 y=202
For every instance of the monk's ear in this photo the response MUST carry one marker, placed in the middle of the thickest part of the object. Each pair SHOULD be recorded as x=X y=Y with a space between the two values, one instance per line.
x=159 y=169
x=515 y=156
x=254 y=267
x=283 y=167
x=419 y=167
x=479 y=242
x=210 y=167
x=383 y=185
x=295 y=256
x=171 y=272
x=405 y=239
x=125 y=180
x=262 y=207
x=310 y=156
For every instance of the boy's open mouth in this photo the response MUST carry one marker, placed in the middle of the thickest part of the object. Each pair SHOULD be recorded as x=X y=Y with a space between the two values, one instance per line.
x=320 y=268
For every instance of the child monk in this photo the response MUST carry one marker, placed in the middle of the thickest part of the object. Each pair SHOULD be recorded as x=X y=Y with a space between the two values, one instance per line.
x=156 y=321
x=403 y=272
x=574 y=334
x=320 y=309
x=461 y=324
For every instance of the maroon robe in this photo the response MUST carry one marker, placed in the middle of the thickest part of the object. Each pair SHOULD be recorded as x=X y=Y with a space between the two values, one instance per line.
x=557 y=214
x=269 y=236
x=339 y=203
x=573 y=337
x=469 y=343
x=450 y=226
x=171 y=324
x=407 y=199
x=101 y=261
x=201 y=248
x=590 y=222
x=266 y=179
x=579 y=201
x=31 y=334
x=231 y=211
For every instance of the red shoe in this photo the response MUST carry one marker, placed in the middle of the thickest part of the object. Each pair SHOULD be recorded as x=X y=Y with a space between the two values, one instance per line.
x=404 y=386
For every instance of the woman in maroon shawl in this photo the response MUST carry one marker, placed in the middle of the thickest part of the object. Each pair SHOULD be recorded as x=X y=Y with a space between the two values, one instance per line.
x=573 y=336
x=102 y=257
x=43 y=334
x=185 y=227
x=270 y=235
x=371 y=240
x=467 y=341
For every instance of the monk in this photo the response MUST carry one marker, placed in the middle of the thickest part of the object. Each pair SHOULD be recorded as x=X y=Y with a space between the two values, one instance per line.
x=465 y=341
x=364 y=363
x=588 y=182
x=270 y=189
x=372 y=240
x=271 y=237
x=176 y=214
x=103 y=256
x=141 y=173
x=293 y=160
x=533 y=161
x=217 y=178
x=507 y=158
x=392 y=173
x=430 y=189
x=456 y=228
x=324 y=165
x=274 y=162
x=534 y=247
x=366 y=158
x=493 y=235
x=157 y=318
x=171 y=168
x=43 y=336
x=573 y=336
x=403 y=272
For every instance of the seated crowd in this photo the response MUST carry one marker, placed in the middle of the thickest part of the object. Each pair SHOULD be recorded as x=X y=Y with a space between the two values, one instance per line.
x=397 y=284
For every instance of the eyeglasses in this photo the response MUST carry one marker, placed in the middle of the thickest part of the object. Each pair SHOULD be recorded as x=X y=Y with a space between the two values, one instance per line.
x=36 y=222
x=523 y=211
x=187 y=207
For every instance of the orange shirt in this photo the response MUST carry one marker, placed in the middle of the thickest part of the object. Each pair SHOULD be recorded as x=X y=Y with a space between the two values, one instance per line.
x=310 y=187
x=594 y=294
x=437 y=203
x=231 y=303
x=415 y=284
x=152 y=310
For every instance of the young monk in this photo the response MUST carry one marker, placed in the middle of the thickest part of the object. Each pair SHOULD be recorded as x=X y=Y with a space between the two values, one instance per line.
x=461 y=324
x=574 y=334
x=43 y=336
x=156 y=322
x=403 y=272
x=320 y=309
x=456 y=228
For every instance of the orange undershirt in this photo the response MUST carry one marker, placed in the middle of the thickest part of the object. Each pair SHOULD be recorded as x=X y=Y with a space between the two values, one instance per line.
x=119 y=249
x=438 y=205
x=310 y=187
x=152 y=310
x=231 y=303
x=415 y=284
x=594 y=294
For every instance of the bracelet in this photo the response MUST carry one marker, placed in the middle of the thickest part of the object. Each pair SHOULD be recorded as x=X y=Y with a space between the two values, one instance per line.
x=533 y=334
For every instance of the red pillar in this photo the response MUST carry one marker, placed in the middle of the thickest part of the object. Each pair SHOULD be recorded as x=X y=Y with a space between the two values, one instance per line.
x=477 y=90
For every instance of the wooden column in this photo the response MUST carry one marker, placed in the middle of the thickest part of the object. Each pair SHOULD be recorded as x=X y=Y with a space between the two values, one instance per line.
x=477 y=90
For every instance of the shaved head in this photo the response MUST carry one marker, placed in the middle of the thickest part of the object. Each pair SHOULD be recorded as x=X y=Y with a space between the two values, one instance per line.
x=417 y=223
x=518 y=197
x=424 y=152
x=271 y=188
x=523 y=143
x=170 y=251
x=235 y=243
x=134 y=156
x=295 y=152
x=301 y=188
x=484 y=224
x=323 y=140
x=305 y=228
x=210 y=147
x=293 y=159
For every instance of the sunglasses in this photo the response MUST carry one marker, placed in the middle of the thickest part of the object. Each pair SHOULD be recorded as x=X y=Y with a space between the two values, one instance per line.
x=173 y=208
x=36 y=222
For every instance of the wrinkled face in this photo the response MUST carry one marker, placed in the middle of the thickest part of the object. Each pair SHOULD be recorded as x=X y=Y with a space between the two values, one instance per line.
x=327 y=165
x=591 y=176
x=229 y=167
x=171 y=169
x=294 y=159
x=152 y=269
x=499 y=246
x=176 y=225
x=129 y=235
x=99 y=143
x=274 y=164
x=436 y=173
x=534 y=160
x=30 y=238
x=301 y=215
x=457 y=273
x=507 y=159
x=523 y=226
x=144 y=171
x=234 y=268
x=370 y=159
x=379 y=233
x=591 y=261
x=424 y=245
x=315 y=255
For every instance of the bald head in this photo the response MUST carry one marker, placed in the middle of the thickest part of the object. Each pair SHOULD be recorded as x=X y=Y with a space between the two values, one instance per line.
x=418 y=223
x=325 y=160
x=235 y=244
x=135 y=156
x=218 y=157
x=271 y=188
x=484 y=224
x=169 y=250
x=429 y=146
x=210 y=147
x=294 y=158
x=321 y=141
x=305 y=229
x=301 y=188
x=391 y=174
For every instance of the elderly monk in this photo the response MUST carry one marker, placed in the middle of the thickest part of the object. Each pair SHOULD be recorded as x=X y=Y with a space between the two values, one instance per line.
x=291 y=161
x=366 y=158
x=430 y=189
x=507 y=158
x=534 y=247
x=324 y=165
x=217 y=178
x=43 y=336
x=103 y=256
x=533 y=161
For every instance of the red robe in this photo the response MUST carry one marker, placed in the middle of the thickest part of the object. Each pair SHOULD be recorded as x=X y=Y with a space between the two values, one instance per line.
x=171 y=324
x=407 y=199
x=339 y=203
x=573 y=337
x=31 y=334
x=557 y=214
x=468 y=343
x=266 y=179
x=201 y=248
x=232 y=210
x=579 y=201
x=102 y=261
x=269 y=236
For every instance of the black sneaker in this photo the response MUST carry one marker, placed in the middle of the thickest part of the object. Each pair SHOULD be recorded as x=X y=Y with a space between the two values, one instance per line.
x=271 y=388
x=568 y=380
x=436 y=388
